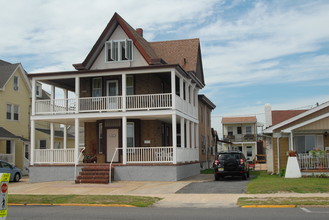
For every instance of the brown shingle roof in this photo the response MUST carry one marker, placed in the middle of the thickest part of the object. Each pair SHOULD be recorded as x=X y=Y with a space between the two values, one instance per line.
x=282 y=115
x=182 y=52
x=228 y=120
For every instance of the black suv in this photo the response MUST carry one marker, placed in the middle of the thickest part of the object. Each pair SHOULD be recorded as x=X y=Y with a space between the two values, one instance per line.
x=232 y=163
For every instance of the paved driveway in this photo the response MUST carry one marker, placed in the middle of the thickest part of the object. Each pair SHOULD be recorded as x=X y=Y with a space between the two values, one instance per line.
x=229 y=185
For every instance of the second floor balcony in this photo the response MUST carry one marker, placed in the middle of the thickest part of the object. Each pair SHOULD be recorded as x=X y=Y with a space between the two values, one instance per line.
x=114 y=104
x=240 y=138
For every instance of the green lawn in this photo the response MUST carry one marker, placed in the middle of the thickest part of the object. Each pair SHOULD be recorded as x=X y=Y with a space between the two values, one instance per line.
x=139 y=201
x=265 y=183
x=316 y=201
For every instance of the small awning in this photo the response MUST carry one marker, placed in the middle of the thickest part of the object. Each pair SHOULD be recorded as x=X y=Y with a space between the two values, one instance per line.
x=7 y=135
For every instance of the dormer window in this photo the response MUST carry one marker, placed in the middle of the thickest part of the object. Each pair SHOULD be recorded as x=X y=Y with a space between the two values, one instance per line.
x=119 y=50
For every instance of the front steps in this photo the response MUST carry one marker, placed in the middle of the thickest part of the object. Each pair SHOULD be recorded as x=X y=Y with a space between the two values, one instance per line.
x=95 y=174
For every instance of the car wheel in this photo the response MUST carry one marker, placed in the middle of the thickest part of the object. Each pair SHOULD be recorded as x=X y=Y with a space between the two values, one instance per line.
x=244 y=176
x=217 y=177
x=17 y=177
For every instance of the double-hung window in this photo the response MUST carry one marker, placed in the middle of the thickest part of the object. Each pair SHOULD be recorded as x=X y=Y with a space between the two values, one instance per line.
x=97 y=87
x=119 y=50
x=12 y=112
x=16 y=83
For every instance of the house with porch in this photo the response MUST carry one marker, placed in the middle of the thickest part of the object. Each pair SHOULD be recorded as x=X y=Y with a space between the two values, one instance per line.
x=137 y=102
x=304 y=132
x=240 y=134
x=15 y=98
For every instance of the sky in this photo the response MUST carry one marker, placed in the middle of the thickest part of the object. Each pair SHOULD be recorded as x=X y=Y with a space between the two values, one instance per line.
x=254 y=51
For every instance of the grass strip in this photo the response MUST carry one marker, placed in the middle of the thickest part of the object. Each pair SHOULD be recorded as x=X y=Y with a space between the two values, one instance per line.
x=138 y=201
x=312 y=201
x=263 y=183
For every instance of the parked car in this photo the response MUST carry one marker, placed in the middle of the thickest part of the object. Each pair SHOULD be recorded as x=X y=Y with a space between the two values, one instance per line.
x=15 y=173
x=232 y=163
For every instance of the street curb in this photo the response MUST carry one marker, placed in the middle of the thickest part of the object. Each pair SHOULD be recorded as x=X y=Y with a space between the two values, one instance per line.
x=269 y=206
x=76 y=204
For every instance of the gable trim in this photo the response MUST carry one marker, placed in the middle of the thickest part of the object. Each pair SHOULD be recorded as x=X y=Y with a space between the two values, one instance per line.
x=271 y=129
x=290 y=129
x=24 y=77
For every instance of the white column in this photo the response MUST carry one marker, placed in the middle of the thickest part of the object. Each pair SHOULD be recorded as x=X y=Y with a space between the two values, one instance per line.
x=124 y=139
x=33 y=96
x=124 y=91
x=52 y=135
x=65 y=137
x=13 y=148
x=52 y=98
x=76 y=143
x=77 y=94
x=65 y=98
x=188 y=134
x=197 y=135
x=173 y=89
x=193 y=135
x=291 y=147
x=32 y=142
x=182 y=132
x=187 y=92
x=174 y=137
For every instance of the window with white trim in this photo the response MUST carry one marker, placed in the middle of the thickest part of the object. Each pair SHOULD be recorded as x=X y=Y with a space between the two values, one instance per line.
x=97 y=87
x=248 y=129
x=305 y=143
x=130 y=134
x=119 y=50
x=12 y=112
x=38 y=90
x=100 y=138
x=42 y=144
x=16 y=83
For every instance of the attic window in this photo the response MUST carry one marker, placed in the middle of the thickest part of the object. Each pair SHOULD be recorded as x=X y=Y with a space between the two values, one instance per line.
x=118 y=50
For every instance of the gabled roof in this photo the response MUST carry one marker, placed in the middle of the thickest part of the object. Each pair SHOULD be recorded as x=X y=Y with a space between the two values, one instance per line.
x=282 y=115
x=297 y=117
x=186 y=53
x=235 y=120
x=141 y=44
x=7 y=70
x=205 y=100
x=5 y=134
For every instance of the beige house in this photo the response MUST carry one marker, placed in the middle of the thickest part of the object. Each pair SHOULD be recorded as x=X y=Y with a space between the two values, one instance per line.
x=208 y=137
x=15 y=96
x=240 y=134
x=137 y=102
x=295 y=130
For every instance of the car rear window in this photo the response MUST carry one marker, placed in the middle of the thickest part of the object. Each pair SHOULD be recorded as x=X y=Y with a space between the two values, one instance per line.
x=228 y=156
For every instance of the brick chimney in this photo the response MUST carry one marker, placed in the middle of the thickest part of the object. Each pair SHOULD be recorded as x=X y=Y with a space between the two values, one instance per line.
x=139 y=31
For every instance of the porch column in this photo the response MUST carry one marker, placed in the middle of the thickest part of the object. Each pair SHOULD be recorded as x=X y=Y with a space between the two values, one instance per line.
x=32 y=141
x=52 y=139
x=182 y=132
x=124 y=140
x=173 y=89
x=76 y=143
x=33 y=96
x=13 y=150
x=188 y=134
x=65 y=137
x=52 y=98
x=65 y=99
x=291 y=147
x=77 y=94
x=174 y=137
x=124 y=91
x=197 y=135
x=193 y=135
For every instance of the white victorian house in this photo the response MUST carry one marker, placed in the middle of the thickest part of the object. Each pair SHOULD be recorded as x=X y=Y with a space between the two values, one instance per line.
x=137 y=102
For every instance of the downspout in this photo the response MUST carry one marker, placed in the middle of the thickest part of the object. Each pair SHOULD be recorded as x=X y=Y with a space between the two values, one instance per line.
x=278 y=146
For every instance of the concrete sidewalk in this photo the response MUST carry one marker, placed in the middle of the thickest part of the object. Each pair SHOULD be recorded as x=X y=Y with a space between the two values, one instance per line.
x=165 y=190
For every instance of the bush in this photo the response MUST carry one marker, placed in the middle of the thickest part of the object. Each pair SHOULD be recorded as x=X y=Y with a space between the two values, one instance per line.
x=282 y=172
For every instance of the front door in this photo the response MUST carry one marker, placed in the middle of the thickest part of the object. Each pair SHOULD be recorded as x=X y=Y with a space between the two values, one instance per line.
x=112 y=137
x=112 y=91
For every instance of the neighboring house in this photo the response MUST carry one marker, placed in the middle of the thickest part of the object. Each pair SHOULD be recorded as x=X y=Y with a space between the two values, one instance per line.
x=297 y=130
x=240 y=134
x=15 y=96
x=135 y=99
x=207 y=140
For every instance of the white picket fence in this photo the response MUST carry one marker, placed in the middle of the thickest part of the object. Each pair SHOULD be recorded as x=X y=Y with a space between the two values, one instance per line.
x=308 y=162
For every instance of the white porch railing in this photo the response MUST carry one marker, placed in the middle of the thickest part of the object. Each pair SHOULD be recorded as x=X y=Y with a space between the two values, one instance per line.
x=59 y=156
x=104 y=103
x=55 y=106
x=10 y=158
x=184 y=106
x=149 y=154
x=308 y=162
x=153 y=101
x=187 y=154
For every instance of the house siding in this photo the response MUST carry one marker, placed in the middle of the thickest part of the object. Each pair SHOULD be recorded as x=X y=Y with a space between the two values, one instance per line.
x=284 y=147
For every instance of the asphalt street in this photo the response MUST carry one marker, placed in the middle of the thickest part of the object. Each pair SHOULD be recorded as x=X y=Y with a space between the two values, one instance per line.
x=228 y=185
x=111 y=213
